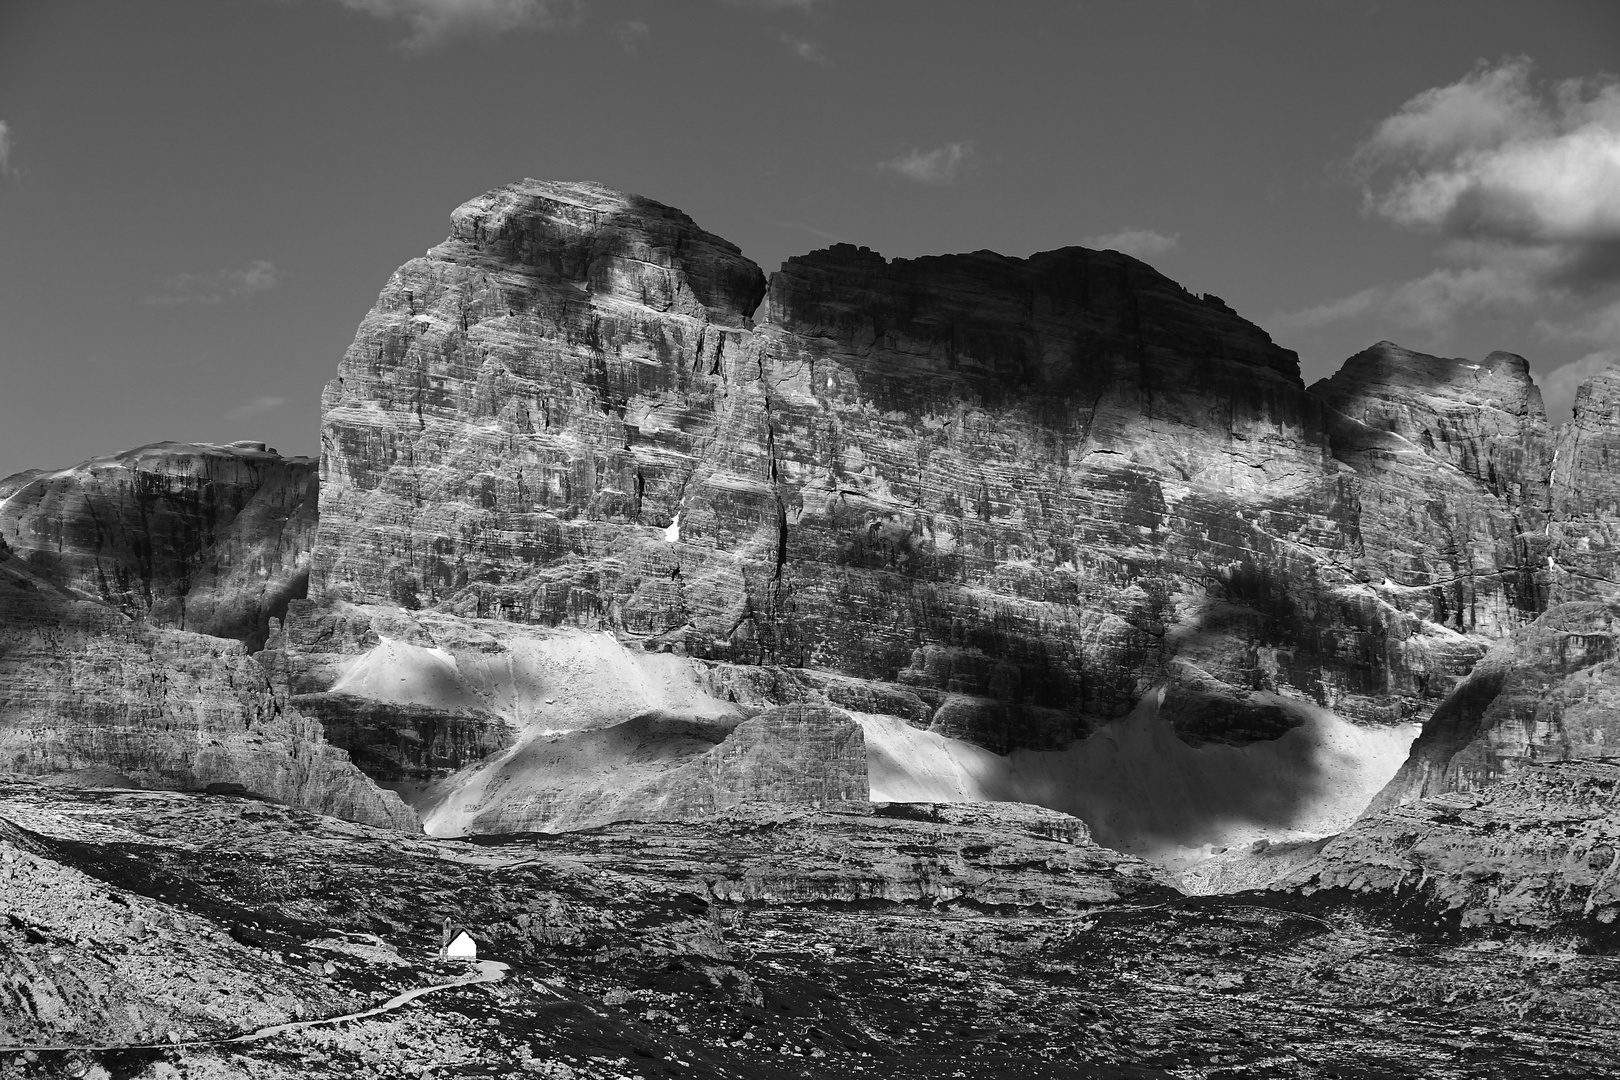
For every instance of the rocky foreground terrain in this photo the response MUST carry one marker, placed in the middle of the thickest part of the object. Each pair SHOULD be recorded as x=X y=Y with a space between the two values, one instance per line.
x=142 y=929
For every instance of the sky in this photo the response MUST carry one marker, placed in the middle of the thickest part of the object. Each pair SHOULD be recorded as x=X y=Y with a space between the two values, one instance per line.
x=200 y=199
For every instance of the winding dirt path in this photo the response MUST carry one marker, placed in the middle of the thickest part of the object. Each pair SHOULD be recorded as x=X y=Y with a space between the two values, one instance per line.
x=489 y=971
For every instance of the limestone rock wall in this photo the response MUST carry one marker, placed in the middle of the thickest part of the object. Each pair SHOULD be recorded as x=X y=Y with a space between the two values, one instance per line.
x=1021 y=491
x=1550 y=690
x=88 y=693
x=211 y=539
x=547 y=377
x=1536 y=851
x=1453 y=462
x=1002 y=499
x=1585 y=525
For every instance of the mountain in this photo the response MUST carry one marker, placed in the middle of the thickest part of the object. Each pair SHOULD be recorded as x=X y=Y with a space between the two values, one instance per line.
x=1014 y=516
x=597 y=500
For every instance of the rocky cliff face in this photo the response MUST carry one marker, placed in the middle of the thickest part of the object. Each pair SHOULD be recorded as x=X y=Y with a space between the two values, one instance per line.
x=211 y=539
x=1549 y=690
x=1019 y=492
x=1003 y=499
x=101 y=566
x=1534 y=851
x=1453 y=463
x=999 y=502
x=1585 y=520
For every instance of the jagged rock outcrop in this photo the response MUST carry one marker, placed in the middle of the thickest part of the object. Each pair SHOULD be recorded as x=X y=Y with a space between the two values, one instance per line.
x=1548 y=692
x=211 y=539
x=1585 y=525
x=94 y=687
x=659 y=768
x=89 y=963
x=404 y=742
x=1534 y=851
x=1453 y=463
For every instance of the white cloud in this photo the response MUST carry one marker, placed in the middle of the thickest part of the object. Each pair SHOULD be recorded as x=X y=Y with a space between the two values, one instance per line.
x=433 y=22
x=1143 y=243
x=831 y=238
x=804 y=49
x=1491 y=161
x=631 y=33
x=1432 y=303
x=250 y=409
x=260 y=275
x=5 y=149
x=1485 y=108
x=936 y=167
x=1521 y=184
x=1559 y=385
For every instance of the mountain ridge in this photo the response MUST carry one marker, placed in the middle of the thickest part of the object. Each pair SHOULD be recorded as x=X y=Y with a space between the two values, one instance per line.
x=1000 y=501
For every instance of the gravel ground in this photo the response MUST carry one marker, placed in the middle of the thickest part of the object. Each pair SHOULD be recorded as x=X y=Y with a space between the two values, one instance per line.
x=911 y=942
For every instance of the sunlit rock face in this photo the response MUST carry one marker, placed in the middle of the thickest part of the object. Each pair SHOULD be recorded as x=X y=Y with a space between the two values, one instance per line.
x=523 y=399
x=1585 y=525
x=1453 y=460
x=1001 y=499
x=1022 y=492
x=210 y=539
x=1550 y=690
